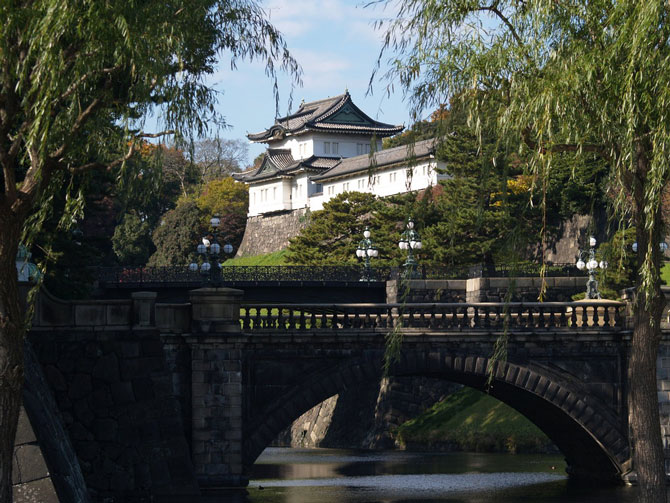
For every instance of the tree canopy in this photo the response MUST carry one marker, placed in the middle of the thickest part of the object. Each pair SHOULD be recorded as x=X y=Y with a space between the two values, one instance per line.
x=588 y=77
x=77 y=78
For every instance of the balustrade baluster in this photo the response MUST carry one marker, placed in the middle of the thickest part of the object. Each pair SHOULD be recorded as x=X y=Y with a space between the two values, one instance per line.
x=573 y=317
x=606 y=317
x=475 y=317
x=519 y=316
x=422 y=318
x=346 y=322
x=410 y=317
x=379 y=322
x=585 y=321
x=432 y=322
x=552 y=318
x=291 y=320
x=246 y=322
x=334 y=320
x=487 y=317
x=499 y=318
x=540 y=317
x=324 y=320
x=596 y=318
x=281 y=319
x=302 y=319
x=465 y=320
x=312 y=320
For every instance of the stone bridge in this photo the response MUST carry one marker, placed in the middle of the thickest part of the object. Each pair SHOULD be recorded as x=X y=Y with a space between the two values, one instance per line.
x=241 y=373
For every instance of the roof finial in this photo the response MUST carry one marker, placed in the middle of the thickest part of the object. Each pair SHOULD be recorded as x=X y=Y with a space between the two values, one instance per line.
x=346 y=90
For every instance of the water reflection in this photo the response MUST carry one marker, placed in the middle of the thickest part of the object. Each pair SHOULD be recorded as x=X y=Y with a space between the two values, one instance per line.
x=338 y=476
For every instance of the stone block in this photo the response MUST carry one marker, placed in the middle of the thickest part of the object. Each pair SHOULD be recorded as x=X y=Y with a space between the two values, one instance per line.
x=122 y=393
x=143 y=389
x=37 y=491
x=118 y=313
x=144 y=304
x=28 y=464
x=105 y=430
x=107 y=368
x=24 y=430
x=80 y=386
x=90 y=315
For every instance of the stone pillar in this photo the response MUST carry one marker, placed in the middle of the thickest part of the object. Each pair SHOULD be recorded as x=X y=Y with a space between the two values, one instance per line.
x=144 y=309
x=215 y=310
x=475 y=289
x=216 y=387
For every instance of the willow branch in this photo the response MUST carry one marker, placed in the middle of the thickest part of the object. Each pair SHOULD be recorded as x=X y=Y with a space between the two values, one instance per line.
x=566 y=147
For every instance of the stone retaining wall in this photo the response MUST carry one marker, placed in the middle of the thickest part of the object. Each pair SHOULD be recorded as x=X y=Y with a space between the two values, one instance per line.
x=108 y=374
x=271 y=233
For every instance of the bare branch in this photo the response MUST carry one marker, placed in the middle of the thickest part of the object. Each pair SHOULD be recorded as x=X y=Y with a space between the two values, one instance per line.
x=73 y=87
x=105 y=166
x=155 y=135
x=505 y=20
x=566 y=147
x=78 y=123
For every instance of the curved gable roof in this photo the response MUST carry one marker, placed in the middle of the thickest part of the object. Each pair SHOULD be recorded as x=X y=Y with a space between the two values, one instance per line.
x=337 y=114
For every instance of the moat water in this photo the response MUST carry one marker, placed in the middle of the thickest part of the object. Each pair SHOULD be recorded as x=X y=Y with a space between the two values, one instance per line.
x=347 y=476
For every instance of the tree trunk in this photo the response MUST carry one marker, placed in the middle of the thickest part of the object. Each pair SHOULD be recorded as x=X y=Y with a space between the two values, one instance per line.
x=643 y=414
x=648 y=456
x=11 y=353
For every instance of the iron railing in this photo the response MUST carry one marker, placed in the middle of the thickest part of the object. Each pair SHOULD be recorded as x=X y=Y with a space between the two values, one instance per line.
x=514 y=316
x=129 y=277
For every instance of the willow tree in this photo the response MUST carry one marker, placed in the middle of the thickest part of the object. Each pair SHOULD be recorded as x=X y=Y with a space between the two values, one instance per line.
x=584 y=76
x=75 y=78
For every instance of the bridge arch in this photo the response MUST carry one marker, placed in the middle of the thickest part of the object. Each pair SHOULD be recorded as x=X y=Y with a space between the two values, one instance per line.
x=586 y=431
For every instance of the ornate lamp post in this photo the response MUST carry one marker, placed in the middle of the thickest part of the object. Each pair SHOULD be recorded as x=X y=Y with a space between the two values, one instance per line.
x=591 y=266
x=210 y=249
x=410 y=241
x=366 y=250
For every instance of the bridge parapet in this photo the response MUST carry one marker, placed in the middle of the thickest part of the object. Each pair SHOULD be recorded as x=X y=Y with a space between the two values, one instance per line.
x=516 y=316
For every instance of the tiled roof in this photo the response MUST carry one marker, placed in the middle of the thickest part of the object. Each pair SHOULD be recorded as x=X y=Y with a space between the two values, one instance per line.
x=336 y=114
x=379 y=159
x=279 y=162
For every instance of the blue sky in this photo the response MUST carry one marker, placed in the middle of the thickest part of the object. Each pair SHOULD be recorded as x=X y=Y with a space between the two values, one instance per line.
x=337 y=46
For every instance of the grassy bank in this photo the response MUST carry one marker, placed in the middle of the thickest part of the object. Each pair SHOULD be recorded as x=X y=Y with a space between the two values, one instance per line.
x=469 y=420
x=275 y=258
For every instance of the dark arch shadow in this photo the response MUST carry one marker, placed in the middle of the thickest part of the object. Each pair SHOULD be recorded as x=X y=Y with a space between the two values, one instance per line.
x=588 y=433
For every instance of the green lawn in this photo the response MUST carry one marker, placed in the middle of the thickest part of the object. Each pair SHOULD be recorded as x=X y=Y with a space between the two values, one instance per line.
x=665 y=273
x=473 y=421
x=274 y=258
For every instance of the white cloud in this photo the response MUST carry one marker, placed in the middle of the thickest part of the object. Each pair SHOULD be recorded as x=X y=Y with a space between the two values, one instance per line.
x=323 y=71
x=296 y=18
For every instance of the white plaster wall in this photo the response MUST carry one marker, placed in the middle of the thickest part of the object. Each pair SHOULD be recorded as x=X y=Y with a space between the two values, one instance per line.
x=301 y=189
x=314 y=144
x=385 y=182
x=270 y=196
x=316 y=202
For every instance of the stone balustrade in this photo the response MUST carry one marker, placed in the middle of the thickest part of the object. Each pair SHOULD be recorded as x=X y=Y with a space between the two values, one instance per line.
x=601 y=315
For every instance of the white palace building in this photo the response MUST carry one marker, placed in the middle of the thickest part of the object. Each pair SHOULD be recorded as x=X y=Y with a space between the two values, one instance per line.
x=324 y=149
